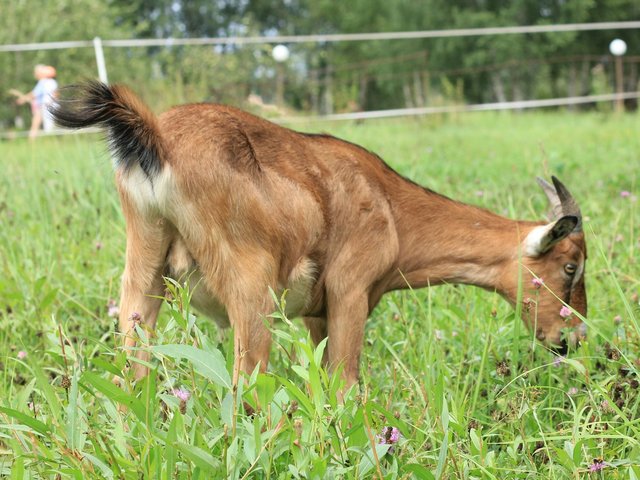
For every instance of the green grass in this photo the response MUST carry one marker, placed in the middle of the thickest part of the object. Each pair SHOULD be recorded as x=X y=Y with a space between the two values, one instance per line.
x=473 y=395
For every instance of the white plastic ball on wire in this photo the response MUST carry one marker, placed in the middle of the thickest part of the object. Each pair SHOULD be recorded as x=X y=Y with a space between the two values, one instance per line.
x=618 y=47
x=280 y=53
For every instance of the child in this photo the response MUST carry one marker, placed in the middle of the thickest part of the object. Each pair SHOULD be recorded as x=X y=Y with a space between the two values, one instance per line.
x=41 y=97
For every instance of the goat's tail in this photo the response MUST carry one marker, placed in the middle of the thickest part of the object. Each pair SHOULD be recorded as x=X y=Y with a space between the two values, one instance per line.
x=133 y=129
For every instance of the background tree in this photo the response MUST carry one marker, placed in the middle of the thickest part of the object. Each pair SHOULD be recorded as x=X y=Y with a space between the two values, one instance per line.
x=324 y=77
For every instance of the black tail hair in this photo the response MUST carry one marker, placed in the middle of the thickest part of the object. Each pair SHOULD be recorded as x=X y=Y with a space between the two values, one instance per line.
x=133 y=132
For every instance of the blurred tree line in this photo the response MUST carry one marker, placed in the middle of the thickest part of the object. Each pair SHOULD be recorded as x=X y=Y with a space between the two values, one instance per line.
x=323 y=77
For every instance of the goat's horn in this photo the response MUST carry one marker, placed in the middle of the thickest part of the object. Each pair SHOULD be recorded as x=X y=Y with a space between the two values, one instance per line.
x=554 y=200
x=569 y=205
x=562 y=202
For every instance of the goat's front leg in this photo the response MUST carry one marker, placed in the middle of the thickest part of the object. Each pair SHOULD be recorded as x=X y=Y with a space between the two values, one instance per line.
x=251 y=335
x=148 y=241
x=347 y=315
x=318 y=329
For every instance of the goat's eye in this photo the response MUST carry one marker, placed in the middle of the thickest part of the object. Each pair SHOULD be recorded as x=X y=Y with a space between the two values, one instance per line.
x=570 y=268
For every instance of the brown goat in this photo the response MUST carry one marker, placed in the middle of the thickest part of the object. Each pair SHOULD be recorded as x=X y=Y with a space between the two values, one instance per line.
x=244 y=205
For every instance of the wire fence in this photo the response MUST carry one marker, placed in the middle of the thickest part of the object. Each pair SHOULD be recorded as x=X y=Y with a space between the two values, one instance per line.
x=402 y=112
x=327 y=38
x=411 y=68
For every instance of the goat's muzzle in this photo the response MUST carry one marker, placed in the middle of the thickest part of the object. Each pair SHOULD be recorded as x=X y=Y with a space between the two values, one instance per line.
x=572 y=339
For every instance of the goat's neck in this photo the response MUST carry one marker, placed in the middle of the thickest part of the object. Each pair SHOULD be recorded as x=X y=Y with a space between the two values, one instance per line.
x=444 y=241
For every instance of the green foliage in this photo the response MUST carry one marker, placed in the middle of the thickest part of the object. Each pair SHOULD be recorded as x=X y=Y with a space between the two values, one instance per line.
x=471 y=392
x=321 y=77
x=33 y=21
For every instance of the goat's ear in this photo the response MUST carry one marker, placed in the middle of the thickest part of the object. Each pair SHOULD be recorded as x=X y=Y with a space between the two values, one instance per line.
x=541 y=239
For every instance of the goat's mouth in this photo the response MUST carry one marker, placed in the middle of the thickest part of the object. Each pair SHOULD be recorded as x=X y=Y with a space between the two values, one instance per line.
x=571 y=340
x=561 y=349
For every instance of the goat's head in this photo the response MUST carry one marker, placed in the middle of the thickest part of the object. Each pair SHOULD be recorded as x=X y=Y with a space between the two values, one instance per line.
x=552 y=262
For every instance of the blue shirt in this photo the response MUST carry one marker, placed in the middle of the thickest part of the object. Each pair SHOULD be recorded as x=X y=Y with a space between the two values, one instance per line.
x=43 y=91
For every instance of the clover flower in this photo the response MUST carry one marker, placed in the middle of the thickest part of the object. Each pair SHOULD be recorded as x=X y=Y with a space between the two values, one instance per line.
x=181 y=394
x=537 y=282
x=22 y=355
x=389 y=436
x=565 y=312
x=597 y=465
x=113 y=310
x=606 y=407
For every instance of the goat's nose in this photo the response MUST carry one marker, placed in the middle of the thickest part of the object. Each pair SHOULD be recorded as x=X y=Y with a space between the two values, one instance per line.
x=578 y=334
x=582 y=330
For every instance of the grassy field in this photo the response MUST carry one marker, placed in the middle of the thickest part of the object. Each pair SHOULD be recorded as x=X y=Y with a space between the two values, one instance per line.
x=453 y=385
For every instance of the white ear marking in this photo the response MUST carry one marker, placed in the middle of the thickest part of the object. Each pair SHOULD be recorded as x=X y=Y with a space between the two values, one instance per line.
x=541 y=239
x=533 y=241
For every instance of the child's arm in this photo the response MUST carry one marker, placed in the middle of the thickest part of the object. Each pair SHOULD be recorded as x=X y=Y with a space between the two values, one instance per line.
x=21 y=97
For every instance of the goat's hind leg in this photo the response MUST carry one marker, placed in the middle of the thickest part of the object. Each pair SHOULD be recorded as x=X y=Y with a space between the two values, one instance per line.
x=148 y=241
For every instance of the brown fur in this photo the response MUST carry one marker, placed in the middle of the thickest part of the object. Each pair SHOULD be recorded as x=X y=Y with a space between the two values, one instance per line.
x=244 y=205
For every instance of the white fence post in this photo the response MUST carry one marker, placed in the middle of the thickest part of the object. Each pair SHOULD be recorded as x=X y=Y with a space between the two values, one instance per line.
x=102 y=68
